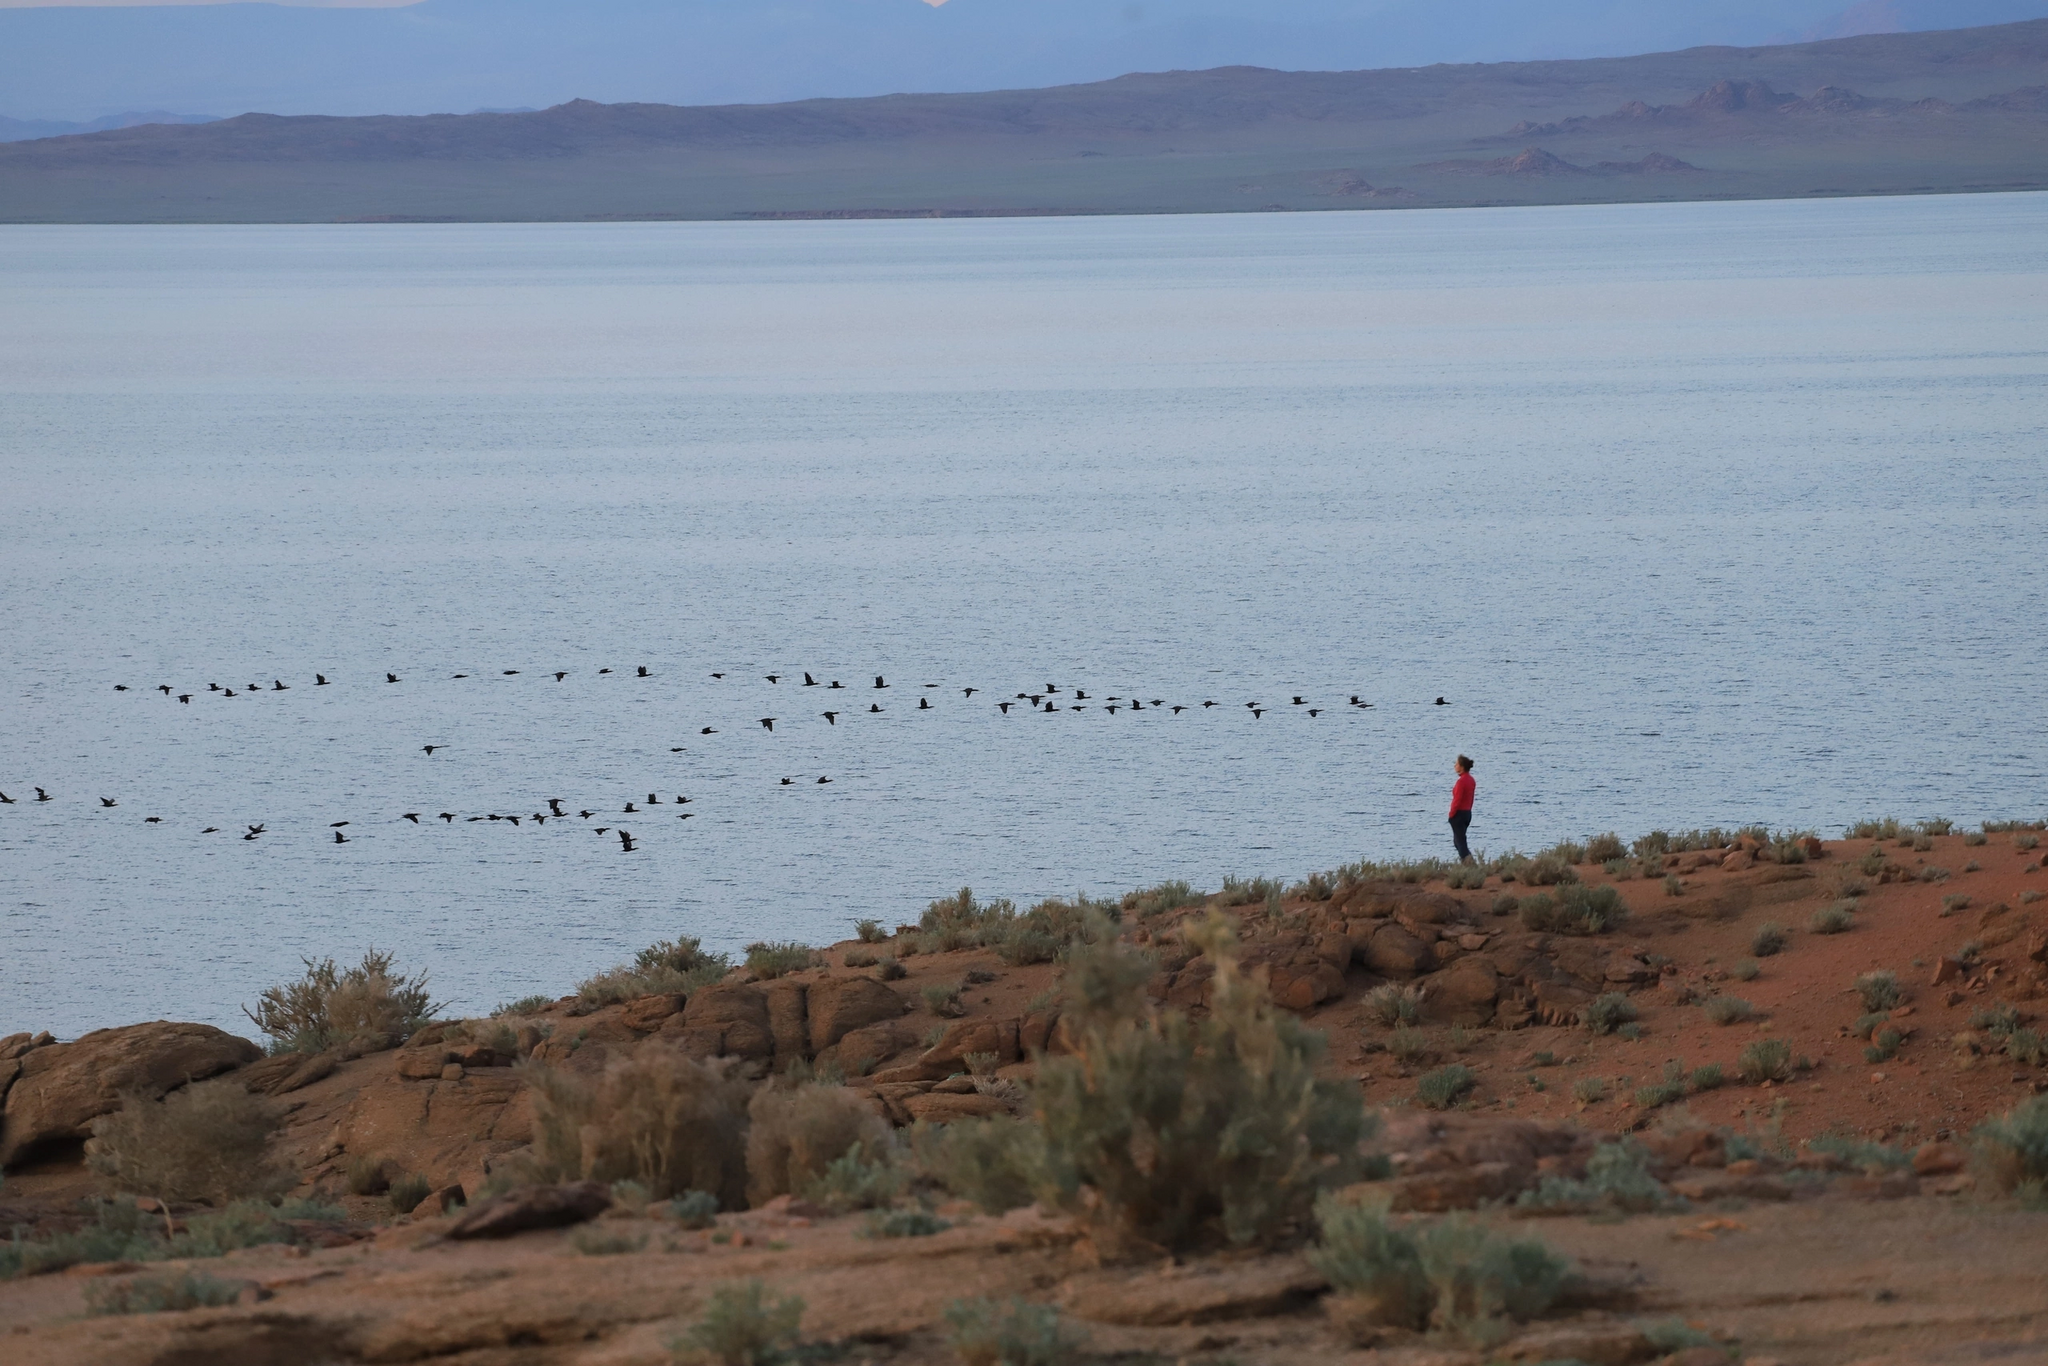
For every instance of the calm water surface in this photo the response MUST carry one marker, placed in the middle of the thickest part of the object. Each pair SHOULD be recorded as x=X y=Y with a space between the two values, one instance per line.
x=1695 y=514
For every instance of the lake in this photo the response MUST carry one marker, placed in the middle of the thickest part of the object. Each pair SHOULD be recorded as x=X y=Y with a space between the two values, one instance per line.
x=1693 y=514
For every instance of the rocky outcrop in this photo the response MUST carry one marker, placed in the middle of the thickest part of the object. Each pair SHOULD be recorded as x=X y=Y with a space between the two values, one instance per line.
x=533 y=1207
x=63 y=1087
x=837 y=1006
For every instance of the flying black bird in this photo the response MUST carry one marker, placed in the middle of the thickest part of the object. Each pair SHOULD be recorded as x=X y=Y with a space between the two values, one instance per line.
x=340 y=838
x=718 y=675
x=874 y=707
x=451 y=676
x=412 y=816
x=152 y=820
x=472 y=820
x=629 y=807
x=879 y=683
x=227 y=692
x=682 y=801
x=707 y=731
x=686 y=815
x=835 y=683
x=1049 y=707
x=675 y=749
x=393 y=678
x=253 y=687
x=924 y=704
x=106 y=801
x=186 y=698
x=1208 y=704
x=1051 y=688
x=1036 y=698
x=555 y=805
x=586 y=814
x=1158 y=701
x=823 y=779
x=252 y=834
x=255 y=830
x=1315 y=711
x=643 y=671
x=1111 y=709
x=602 y=829
x=1299 y=703
x=810 y=682
x=211 y=830
x=653 y=800
x=1004 y=707
x=1257 y=713
x=1136 y=705
x=831 y=717
x=513 y=819
x=1252 y=706
x=164 y=688
x=625 y=843
x=604 y=671
x=561 y=674
x=213 y=687
x=448 y=816
x=538 y=819
x=510 y=672
x=1079 y=696
x=1178 y=710
x=43 y=796
x=319 y=680
x=278 y=685
x=429 y=749
x=1441 y=703
x=120 y=687
x=773 y=678
x=767 y=723
x=336 y=825
x=6 y=800
x=968 y=692
x=787 y=781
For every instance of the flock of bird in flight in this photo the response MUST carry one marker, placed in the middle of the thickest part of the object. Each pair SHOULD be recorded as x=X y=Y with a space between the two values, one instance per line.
x=1048 y=699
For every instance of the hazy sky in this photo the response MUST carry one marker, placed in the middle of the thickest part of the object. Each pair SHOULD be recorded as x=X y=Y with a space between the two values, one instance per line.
x=80 y=59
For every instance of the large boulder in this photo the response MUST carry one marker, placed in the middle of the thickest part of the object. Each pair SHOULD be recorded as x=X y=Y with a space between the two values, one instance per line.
x=725 y=1020
x=1463 y=993
x=532 y=1207
x=839 y=1005
x=789 y=1019
x=1393 y=951
x=64 y=1087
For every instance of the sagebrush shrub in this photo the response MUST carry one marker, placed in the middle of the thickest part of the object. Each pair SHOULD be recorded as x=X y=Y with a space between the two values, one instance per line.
x=669 y=1122
x=1834 y=919
x=1728 y=1010
x=1011 y=1332
x=405 y=1193
x=743 y=1325
x=943 y=1000
x=1765 y=1060
x=159 y=1293
x=797 y=1133
x=768 y=961
x=1769 y=939
x=1389 y=1004
x=1189 y=1132
x=1878 y=990
x=1608 y=1012
x=207 y=1141
x=869 y=931
x=1546 y=870
x=1589 y=1090
x=997 y=1163
x=1446 y=1086
x=330 y=1006
x=694 y=1209
x=668 y=967
x=2012 y=1149
x=1605 y=848
x=1575 y=909
x=1617 y=1177
x=856 y=1180
x=1453 y=1275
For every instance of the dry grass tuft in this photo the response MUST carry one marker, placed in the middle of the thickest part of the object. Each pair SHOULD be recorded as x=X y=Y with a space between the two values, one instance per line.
x=207 y=1141
x=799 y=1132
x=669 y=1122
x=366 y=1004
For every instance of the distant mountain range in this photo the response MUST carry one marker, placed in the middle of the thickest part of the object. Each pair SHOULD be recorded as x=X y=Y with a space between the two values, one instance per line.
x=22 y=130
x=1948 y=111
x=77 y=61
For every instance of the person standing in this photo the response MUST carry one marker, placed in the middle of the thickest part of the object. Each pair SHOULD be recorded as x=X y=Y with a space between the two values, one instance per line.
x=1462 y=792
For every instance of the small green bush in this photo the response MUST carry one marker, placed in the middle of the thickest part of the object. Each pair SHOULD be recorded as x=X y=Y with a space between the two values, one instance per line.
x=1861 y=1154
x=742 y=1325
x=798 y=1135
x=1935 y=873
x=902 y=1223
x=1728 y=1010
x=1835 y=919
x=1409 y=1046
x=1453 y=1275
x=1884 y=1046
x=853 y=1180
x=2026 y=843
x=407 y=1192
x=860 y=958
x=1976 y=838
x=997 y=1163
x=942 y=1000
x=768 y=961
x=2026 y=1047
x=869 y=931
x=1010 y=1333
x=667 y=967
x=210 y=1140
x=1617 y=1178
x=1937 y=825
x=1167 y=1131
x=889 y=970
x=1389 y=1004
x=1665 y=1092
x=1707 y=1077
x=694 y=1209
x=1605 y=848
x=1769 y=939
x=1867 y=1025
x=1147 y=902
x=1505 y=904
x=669 y=1122
x=1546 y=870
x=1764 y=1060
x=330 y=1006
x=596 y=1240
x=1748 y=970
x=1888 y=828
x=1589 y=1090
x=1878 y=990
x=1575 y=909
x=2012 y=1149
x=1632 y=1032
x=159 y=1293
x=118 y=1232
x=1446 y=1086
x=1608 y=1012
x=524 y=1006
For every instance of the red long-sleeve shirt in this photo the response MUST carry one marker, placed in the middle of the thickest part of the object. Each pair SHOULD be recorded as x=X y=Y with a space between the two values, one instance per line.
x=1462 y=792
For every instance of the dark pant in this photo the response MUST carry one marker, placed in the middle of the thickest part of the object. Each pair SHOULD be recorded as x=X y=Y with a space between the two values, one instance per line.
x=1460 y=822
